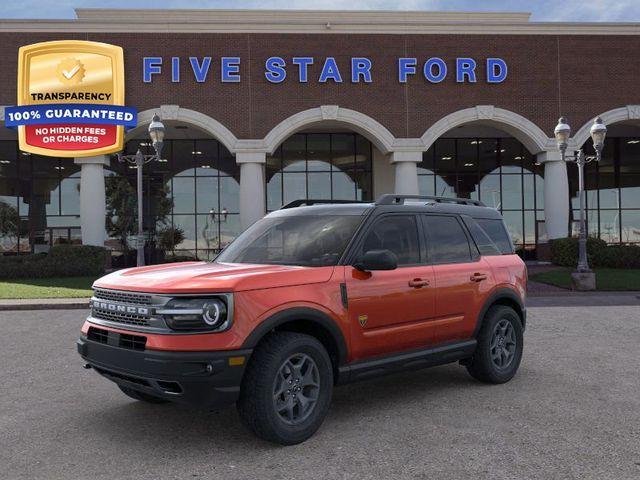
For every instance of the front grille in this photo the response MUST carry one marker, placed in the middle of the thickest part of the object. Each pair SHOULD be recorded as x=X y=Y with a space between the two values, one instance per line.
x=127 y=318
x=122 y=340
x=122 y=297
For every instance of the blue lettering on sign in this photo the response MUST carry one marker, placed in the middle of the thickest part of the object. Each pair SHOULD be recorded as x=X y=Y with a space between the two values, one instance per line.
x=230 y=69
x=428 y=70
x=465 y=67
x=151 y=66
x=406 y=66
x=175 y=69
x=330 y=71
x=496 y=70
x=275 y=69
x=360 y=67
x=303 y=66
x=200 y=71
x=434 y=69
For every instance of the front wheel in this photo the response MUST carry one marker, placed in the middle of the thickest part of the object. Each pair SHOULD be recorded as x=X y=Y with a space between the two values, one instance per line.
x=500 y=344
x=287 y=388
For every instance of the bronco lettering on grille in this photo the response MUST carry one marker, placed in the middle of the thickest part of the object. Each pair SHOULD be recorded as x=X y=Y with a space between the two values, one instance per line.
x=116 y=308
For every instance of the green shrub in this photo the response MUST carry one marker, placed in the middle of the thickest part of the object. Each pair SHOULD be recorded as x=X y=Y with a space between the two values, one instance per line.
x=61 y=261
x=564 y=252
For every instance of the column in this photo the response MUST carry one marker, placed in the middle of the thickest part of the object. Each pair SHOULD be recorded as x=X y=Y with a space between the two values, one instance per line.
x=556 y=194
x=93 y=209
x=252 y=187
x=406 y=167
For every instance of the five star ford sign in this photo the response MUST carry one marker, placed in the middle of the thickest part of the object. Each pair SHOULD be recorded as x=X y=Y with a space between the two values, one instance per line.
x=70 y=99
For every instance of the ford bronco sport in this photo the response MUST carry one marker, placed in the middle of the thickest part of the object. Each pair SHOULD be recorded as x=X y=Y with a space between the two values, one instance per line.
x=310 y=297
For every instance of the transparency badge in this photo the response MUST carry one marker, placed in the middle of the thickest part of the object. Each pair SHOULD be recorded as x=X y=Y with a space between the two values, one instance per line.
x=70 y=99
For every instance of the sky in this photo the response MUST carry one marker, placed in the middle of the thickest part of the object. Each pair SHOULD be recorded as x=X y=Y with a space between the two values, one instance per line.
x=542 y=10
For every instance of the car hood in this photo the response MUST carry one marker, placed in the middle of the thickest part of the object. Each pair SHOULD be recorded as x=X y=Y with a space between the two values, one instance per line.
x=206 y=277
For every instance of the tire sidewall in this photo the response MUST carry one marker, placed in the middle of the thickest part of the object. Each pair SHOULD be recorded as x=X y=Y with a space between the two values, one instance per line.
x=496 y=314
x=297 y=433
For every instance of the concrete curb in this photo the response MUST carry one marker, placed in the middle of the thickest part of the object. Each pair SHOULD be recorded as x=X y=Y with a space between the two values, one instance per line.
x=44 y=304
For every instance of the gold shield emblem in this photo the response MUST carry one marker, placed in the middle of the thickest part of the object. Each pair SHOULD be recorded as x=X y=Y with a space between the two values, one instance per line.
x=71 y=72
x=362 y=319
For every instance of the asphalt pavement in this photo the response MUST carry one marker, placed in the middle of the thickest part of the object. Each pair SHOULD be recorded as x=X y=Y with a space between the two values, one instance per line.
x=573 y=411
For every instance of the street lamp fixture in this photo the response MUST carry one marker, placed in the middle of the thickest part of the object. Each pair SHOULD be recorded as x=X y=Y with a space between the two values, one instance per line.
x=562 y=133
x=156 y=133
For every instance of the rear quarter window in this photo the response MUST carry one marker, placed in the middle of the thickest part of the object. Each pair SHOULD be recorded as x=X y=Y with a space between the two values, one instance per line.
x=497 y=232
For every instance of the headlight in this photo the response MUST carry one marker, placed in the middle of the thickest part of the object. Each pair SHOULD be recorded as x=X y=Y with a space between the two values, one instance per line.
x=211 y=314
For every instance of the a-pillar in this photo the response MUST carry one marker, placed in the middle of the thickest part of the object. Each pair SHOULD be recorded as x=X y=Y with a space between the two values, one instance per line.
x=92 y=199
x=252 y=188
x=556 y=194
x=406 y=170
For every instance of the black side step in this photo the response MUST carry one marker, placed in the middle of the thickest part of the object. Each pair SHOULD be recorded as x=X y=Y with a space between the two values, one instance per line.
x=415 y=359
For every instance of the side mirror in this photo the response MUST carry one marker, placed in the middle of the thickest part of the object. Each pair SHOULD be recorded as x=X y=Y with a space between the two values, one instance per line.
x=377 y=260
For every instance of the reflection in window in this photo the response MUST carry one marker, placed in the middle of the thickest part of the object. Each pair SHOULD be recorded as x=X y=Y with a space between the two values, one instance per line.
x=201 y=181
x=331 y=166
x=612 y=191
x=500 y=172
x=39 y=199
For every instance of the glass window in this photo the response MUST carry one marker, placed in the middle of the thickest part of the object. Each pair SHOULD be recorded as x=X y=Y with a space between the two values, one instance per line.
x=496 y=231
x=447 y=241
x=318 y=152
x=294 y=153
x=207 y=194
x=305 y=240
x=631 y=226
x=445 y=156
x=511 y=155
x=319 y=166
x=182 y=160
x=397 y=233
x=485 y=245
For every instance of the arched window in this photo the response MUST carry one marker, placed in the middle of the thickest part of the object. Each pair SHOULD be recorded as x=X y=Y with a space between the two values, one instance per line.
x=335 y=166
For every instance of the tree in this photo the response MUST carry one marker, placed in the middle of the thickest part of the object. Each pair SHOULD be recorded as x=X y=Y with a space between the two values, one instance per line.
x=122 y=208
x=9 y=222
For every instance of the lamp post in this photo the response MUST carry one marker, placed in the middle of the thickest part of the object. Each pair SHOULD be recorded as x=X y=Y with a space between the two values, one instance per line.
x=156 y=133
x=562 y=133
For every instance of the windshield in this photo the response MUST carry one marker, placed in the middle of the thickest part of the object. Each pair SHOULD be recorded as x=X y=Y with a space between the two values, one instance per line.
x=305 y=240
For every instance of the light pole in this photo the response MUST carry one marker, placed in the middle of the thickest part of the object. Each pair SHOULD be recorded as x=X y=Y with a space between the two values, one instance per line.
x=562 y=133
x=156 y=133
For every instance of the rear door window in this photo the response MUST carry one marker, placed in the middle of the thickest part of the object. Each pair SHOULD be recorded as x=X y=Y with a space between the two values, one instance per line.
x=496 y=231
x=447 y=241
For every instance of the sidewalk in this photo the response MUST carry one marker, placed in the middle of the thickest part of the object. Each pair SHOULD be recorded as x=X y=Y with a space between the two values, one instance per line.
x=44 y=304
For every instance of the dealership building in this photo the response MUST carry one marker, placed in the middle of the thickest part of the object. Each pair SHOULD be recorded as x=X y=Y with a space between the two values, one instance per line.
x=265 y=107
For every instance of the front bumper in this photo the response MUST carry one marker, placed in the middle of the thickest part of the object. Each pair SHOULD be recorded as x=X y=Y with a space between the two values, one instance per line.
x=201 y=379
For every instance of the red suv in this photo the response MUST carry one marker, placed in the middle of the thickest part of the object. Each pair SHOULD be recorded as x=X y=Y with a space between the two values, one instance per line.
x=310 y=297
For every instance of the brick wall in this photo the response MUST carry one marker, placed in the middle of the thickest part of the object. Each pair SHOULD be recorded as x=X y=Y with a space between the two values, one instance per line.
x=578 y=76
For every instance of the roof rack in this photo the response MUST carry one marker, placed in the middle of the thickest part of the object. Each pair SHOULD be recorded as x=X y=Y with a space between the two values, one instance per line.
x=308 y=202
x=391 y=199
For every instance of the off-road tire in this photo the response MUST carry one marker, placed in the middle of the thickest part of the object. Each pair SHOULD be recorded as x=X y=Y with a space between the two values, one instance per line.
x=256 y=403
x=482 y=366
x=141 y=396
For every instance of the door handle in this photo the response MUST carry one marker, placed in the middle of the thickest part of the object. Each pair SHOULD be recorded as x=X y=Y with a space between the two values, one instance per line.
x=418 y=283
x=478 y=277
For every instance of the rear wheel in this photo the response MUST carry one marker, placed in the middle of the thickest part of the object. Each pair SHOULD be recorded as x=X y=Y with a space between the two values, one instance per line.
x=500 y=345
x=287 y=388
x=141 y=396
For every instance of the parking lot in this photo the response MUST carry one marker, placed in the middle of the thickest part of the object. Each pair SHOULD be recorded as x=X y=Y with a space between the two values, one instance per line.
x=573 y=411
